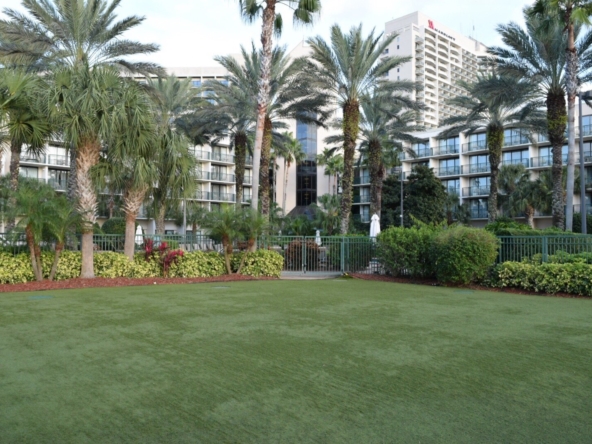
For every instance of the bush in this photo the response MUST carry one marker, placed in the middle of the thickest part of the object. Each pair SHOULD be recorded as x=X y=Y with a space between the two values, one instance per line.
x=112 y=265
x=406 y=251
x=464 y=255
x=504 y=226
x=260 y=263
x=577 y=223
x=15 y=269
x=293 y=255
x=198 y=264
x=573 y=278
x=115 y=225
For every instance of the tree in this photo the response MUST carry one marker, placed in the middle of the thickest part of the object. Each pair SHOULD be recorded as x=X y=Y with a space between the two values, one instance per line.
x=495 y=102
x=62 y=221
x=341 y=73
x=424 y=197
x=333 y=163
x=539 y=52
x=129 y=165
x=571 y=14
x=291 y=151
x=328 y=213
x=304 y=12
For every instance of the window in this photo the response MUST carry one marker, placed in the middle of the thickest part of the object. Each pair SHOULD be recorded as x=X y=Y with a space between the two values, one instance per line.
x=478 y=141
x=196 y=83
x=306 y=183
x=421 y=149
x=397 y=46
x=452 y=185
x=449 y=145
x=30 y=172
x=480 y=181
x=365 y=213
x=307 y=135
x=515 y=137
x=449 y=167
x=516 y=158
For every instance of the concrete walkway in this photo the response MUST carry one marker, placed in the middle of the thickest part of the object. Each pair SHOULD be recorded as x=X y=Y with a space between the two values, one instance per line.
x=297 y=275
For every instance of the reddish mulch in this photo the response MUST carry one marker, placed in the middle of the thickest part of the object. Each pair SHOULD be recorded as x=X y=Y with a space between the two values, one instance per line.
x=434 y=283
x=120 y=282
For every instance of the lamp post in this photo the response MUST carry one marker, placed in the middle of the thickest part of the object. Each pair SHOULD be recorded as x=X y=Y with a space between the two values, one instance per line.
x=587 y=95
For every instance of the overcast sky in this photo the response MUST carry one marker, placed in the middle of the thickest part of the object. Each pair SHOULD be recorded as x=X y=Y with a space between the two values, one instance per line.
x=192 y=32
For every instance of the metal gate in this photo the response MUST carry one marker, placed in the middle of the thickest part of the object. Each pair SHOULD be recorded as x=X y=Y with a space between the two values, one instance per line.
x=324 y=254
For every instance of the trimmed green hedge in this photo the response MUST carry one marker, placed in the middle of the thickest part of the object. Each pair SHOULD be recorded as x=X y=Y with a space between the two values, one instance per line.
x=572 y=278
x=17 y=268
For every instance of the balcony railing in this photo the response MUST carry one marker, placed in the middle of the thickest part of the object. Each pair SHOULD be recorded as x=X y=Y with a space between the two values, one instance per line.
x=223 y=177
x=476 y=191
x=516 y=140
x=202 y=175
x=474 y=146
x=202 y=195
x=423 y=152
x=58 y=185
x=219 y=157
x=361 y=199
x=476 y=168
x=446 y=149
x=578 y=209
x=249 y=161
x=362 y=180
x=447 y=171
x=202 y=155
x=545 y=161
x=32 y=158
x=479 y=213
x=248 y=180
x=525 y=162
x=453 y=190
x=223 y=197
x=58 y=160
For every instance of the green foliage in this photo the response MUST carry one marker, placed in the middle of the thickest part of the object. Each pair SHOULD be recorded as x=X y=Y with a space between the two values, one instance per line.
x=15 y=269
x=260 y=263
x=463 y=255
x=577 y=223
x=572 y=278
x=358 y=252
x=294 y=258
x=503 y=226
x=406 y=251
x=115 y=225
x=198 y=264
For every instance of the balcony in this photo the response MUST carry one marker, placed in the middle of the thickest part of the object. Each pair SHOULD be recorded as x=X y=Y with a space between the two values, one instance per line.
x=224 y=158
x=362 y=180
x=202 y=155
x=202 y=195
x=578 y=209
x=362 y=199
x=479 y=213
x=452 y=190
x=222 y=177
x=444 y=150
x=516 y=140
x=525 y=162
x=476 y=191
x=223 y=197
x=247 y=180
x=32 y=158
x=476 y=168
x=249 y=161
x=447 y=171
x=477 y=145
x=58 y=185
x=202 y=175
x=58 y=160
x=545 y=161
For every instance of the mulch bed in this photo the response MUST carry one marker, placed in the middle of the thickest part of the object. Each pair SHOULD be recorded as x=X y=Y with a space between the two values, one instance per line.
x=120 y=282
x=435 y=283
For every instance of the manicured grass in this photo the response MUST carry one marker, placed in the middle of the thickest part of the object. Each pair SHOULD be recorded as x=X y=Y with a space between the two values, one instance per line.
x=291 y=362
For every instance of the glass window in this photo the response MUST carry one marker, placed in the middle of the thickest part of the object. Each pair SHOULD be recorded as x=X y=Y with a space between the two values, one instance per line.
x=480 y=181
x=306 y=133
x=30 y=172
x=448 y=163
x=196 y=83
x=478 y=160
x=480 y=137
x=452 y=185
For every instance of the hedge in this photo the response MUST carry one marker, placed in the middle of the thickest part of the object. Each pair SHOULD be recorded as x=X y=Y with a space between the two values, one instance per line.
x=17 y=268
x=572 y=278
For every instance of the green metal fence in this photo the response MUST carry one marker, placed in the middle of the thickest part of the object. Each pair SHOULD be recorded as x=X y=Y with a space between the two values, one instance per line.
x=545 y=248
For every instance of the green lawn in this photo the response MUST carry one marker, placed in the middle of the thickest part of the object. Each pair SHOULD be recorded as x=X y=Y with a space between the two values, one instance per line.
x=294 y=361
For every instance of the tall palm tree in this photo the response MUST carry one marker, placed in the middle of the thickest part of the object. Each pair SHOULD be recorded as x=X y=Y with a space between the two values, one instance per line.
x=341 y=73
x=304 y=11
x=63 y=220
x=327 y=214
x=539 y=52
x=333 y=163
x=291 y=152
x=495 y=102
x=287 y=98
x=571 y=14
x=72 y=33
x=129 y=165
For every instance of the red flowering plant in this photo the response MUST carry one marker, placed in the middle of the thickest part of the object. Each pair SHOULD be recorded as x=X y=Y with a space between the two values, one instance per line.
x=163 y=254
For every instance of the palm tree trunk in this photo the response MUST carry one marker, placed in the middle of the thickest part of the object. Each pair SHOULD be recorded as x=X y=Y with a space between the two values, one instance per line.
x=160 y=215
x=286 y=168
x=56 y=259
x=529 y=212
x=556 y=122
x=72 y=188
x=34 y=262
x=132 y=202
x=240 y=151
x=376 y=176
x=263 y=96
x=351 y=125
x=572 y=90
x=495 y=141
x=15 y=161
x=264 y=172
x=87 y=157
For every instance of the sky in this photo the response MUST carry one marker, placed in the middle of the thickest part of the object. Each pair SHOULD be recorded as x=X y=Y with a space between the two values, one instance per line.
x=192 y=32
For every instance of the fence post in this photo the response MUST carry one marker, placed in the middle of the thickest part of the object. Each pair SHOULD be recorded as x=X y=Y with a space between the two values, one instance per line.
x=342 y=254
x=304 y=255
x=545 y=249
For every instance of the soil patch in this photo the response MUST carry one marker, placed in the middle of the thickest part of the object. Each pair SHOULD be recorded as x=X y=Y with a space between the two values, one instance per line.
x=120 y=282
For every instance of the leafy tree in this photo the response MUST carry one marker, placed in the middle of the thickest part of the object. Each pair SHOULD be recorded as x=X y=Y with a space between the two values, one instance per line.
x=424 y=197
x=571 y=14
x=341 y=73
x=390 y=213
x=538 y=52
x=304 y=12
x=327 y=213
x=495 y=102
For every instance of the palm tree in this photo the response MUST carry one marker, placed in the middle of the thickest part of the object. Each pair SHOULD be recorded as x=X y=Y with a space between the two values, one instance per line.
x=341 y=73
x=333 y=163
x=129 y=165
x=291 y=152
x=539 y=52
x=287 y=98
x=68 y=33
x=304 y=12
x=328 y=213
x=571 y=14
x=226 y=225
x=63 y=220
x=495 y=102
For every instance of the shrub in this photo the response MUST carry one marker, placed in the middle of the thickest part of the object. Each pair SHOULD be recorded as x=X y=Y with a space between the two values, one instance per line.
x=260 y=263
x=406 y=251
x=68 y=267
x=198 y=264
x=504 y=226
x=464 y=255
x=112 y=265
x=293 y=255
x=115 y=225
x=573 y=278
x=15 y=269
